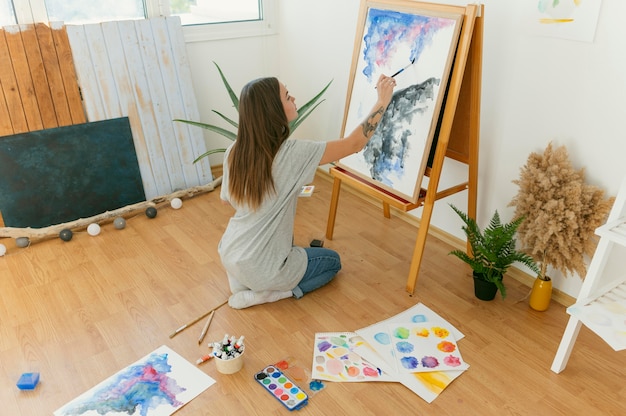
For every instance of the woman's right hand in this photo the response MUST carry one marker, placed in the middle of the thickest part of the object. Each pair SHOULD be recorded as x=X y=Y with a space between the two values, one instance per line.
x=358 y=138
x=385 y=86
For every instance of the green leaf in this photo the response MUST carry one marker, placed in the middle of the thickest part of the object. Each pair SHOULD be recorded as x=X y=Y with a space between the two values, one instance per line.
x=231 y=93
x=303 y=109
x=226 y=133
x=492 y=250
x=228 y=120
x=210 y=152
x=293 y=125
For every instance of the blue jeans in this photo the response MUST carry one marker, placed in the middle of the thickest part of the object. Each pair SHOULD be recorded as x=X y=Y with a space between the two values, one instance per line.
x=323 y=265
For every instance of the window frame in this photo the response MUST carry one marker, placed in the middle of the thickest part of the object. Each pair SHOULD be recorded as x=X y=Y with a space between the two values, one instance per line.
x=230 y=30
x=32 y=11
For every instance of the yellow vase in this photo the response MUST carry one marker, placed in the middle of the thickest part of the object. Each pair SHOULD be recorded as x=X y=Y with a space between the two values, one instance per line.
x=541 y=294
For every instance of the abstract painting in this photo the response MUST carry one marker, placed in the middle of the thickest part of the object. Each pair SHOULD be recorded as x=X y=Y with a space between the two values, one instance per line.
x=418 y=45
x=565 y=19
x=157 y=385
x=61 y=174
x=334 y=359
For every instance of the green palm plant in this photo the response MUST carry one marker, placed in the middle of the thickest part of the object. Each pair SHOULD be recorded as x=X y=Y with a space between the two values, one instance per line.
x=303 y=112
x=492 y=251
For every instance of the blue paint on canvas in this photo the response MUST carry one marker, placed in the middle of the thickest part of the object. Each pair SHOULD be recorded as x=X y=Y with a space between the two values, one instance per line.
x=386 y=29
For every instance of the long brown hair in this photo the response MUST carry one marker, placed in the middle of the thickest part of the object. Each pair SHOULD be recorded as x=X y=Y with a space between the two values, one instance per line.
x=263 y=127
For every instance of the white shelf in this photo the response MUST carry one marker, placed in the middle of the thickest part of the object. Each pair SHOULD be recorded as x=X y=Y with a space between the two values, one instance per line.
x=601 y=304
x=605 y=315
x=614 y=230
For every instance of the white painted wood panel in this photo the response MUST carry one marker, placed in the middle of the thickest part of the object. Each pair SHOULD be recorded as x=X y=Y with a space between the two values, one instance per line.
x=140 y=69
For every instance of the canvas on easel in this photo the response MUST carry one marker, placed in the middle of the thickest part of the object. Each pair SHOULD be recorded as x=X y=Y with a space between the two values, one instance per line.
x=419 y=45
x=457 y=137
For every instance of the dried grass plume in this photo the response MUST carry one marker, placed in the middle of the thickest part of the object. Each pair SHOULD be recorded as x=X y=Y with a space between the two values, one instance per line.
x=561 y=212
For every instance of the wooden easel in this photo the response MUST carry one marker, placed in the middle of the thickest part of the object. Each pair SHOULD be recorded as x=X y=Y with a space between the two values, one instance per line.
x=458 y=139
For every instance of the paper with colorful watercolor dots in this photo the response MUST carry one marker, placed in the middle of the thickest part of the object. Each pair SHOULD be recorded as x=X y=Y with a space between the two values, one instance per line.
x=377 y=335
x=378 y=350
x=427 y=385
x=334 y=359
x=606 y=318
x=423 y=347
x=157 y=385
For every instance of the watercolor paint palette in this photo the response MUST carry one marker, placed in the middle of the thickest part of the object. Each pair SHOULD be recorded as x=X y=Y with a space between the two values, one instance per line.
x=281 y=388
x=307 y=190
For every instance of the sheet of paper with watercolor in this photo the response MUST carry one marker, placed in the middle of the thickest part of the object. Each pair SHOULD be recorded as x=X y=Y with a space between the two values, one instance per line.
x=427 y=385
x=377 y=335
x=157 y=385
x=607 y=320
x=334 y=359
x=424 y=347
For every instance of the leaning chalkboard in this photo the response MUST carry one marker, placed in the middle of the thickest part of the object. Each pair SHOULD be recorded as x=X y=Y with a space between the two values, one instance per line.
x=58 y=175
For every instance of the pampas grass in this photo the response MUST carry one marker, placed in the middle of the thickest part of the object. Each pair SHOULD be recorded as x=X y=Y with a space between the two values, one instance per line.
x=561 y=212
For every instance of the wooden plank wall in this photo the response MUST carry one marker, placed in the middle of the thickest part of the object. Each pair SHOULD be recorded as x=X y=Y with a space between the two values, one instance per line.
x=37 y=79
x=139 y=69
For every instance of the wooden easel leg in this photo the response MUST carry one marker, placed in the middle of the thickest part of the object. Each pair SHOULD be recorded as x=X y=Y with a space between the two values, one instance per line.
x=332 y=214
x=418 y=251
x=386 y=210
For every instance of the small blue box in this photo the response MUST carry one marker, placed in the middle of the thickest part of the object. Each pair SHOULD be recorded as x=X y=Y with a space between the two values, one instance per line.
x=28 y=381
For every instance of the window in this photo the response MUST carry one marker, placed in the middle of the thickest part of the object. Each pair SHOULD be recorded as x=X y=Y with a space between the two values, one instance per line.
x=203 y=19
x=193 y=12
x=7 y=14
x=82 y=12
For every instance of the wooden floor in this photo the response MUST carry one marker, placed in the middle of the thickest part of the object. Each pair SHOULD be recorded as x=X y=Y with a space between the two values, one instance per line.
x=79 y=311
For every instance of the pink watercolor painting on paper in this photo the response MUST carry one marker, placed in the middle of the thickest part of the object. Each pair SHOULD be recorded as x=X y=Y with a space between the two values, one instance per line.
x=334 y=359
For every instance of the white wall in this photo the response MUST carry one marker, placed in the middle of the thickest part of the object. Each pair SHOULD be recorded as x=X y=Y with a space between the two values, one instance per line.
x=241 y=60
x=535 y=90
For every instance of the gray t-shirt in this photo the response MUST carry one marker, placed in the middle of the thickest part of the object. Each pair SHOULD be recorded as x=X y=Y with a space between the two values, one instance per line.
x=257 y=248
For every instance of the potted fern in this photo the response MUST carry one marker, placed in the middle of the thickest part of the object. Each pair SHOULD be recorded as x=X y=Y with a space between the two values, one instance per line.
x=303 y=112
x=492 y=252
